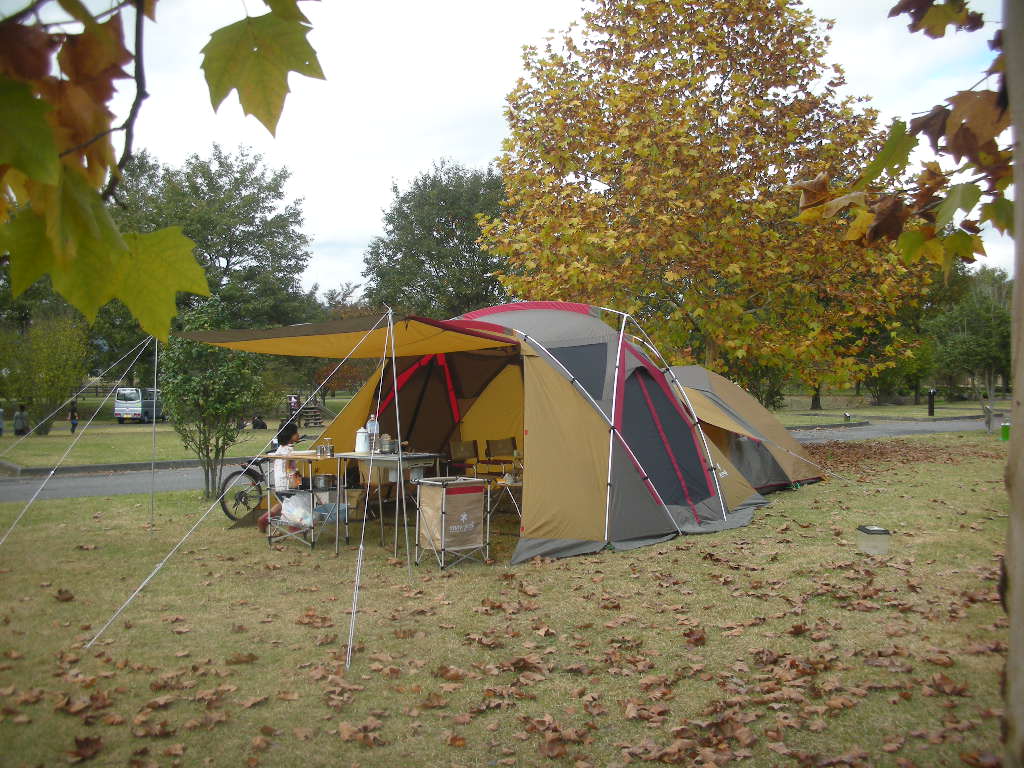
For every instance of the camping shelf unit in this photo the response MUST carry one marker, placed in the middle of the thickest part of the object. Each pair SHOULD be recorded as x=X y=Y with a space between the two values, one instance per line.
x=617 y=448
x=453 y=519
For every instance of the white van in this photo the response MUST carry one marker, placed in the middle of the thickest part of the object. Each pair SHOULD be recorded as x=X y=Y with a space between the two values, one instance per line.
x=135 y=404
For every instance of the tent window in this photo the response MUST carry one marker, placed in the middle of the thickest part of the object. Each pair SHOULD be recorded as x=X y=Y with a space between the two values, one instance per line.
x=663 y=442
x=588 y=363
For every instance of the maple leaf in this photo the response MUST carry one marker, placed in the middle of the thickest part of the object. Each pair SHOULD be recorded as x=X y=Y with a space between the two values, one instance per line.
x=94 y=58
x=253 y=57
x=86 y=748
x=893 y=157
x=814 y=191
x=932 y=125
x=26 y=138
x=961 y=197
x=981 y=112
x=25 y=51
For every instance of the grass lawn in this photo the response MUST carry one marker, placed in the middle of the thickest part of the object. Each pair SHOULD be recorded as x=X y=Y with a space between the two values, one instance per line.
x=107 y=442
x=774 y=644
x=113 y=443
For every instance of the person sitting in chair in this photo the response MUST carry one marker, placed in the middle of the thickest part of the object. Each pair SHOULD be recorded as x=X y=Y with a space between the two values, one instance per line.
x=293 y=502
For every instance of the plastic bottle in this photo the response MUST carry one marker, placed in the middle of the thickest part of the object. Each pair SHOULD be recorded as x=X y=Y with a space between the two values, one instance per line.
x=373 y=429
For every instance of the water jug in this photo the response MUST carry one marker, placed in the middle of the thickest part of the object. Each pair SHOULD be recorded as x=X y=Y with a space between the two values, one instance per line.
x=362 y=441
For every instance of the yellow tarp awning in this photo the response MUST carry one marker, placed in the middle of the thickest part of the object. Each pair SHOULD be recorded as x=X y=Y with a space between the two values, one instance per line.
x=361 y=338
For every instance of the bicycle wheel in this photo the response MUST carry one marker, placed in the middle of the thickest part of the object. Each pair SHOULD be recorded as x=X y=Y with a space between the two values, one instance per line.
x=241 y=492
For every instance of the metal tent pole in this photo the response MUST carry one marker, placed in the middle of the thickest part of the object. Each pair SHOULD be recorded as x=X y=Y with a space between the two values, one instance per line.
x=152 y=463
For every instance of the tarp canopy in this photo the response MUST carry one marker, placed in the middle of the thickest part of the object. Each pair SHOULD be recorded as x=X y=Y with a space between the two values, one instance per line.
x=361 y=337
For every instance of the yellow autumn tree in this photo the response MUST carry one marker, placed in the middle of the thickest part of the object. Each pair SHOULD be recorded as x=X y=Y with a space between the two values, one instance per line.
x=649 y=150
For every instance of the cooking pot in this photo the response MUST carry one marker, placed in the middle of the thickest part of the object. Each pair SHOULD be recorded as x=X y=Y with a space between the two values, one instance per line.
x=324 y=482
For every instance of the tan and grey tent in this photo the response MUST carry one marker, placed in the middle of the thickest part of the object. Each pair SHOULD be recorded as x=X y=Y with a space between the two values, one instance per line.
x=611 y=456
x=756 y=442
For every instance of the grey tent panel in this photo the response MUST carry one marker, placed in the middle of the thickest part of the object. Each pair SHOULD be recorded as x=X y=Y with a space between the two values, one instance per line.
x=663 y=442
x=635 y=513
x=527 y=549
x=756 y=463
x=588 y=363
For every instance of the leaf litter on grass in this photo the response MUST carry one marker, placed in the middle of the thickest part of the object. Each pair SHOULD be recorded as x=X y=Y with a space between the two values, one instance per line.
x=778 y=643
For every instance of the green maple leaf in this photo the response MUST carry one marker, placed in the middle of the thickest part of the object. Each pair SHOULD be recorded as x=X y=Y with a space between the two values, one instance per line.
x=162 y=265
x=254 y=56
x=26 y=139
x=90 y=262
x=1000 y=213
x=893 y=157
x=961 y=197
x=286 y=9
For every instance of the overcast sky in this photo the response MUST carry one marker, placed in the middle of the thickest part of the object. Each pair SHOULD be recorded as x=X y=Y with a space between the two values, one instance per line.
x=409 y=83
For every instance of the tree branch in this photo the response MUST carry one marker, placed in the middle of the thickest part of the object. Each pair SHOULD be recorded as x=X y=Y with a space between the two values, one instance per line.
x=140 y=96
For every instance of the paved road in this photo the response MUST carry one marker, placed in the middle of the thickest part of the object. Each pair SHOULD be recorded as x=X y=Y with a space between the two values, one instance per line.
x=100 y=484
x=117 y=483
x=887 y=429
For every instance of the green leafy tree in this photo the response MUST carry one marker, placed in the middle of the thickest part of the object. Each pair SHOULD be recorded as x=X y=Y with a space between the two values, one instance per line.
x=57 y=158
x=208 y=390
x=47 y=363
x=646 y=153
x=428 y=261
x=247 y=234
x=973 y=336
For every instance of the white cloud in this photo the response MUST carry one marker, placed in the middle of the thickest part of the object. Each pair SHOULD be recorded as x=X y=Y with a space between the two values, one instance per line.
x=409 y=83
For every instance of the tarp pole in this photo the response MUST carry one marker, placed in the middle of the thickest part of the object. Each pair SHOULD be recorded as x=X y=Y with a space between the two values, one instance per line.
x=152 y=463
x=356 y=587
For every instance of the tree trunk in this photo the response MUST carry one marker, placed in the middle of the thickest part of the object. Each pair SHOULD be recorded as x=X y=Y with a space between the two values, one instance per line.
x=816 y=399
x=1013 y=39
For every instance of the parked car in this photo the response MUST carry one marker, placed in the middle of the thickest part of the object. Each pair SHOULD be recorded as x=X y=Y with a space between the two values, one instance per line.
x=136 y=404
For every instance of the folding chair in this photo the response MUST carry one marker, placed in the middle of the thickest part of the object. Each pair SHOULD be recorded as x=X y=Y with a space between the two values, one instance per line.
x=279 y=527
x=501 y=458
x=452 y=519
x=463 y=457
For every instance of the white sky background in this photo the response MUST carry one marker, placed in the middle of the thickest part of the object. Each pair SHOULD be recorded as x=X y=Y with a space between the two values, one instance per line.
x=409 y=83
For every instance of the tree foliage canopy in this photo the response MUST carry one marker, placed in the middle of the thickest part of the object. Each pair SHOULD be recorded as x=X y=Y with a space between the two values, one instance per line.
x=428 y=261
x=208 y=390
x=646 y=167
x=57 y=156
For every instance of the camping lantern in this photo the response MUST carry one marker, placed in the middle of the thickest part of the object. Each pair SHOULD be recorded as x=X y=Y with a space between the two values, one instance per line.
x=873 y=539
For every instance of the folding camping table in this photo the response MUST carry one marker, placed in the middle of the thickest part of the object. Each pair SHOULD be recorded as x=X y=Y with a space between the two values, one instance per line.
x=322 y=514
x=390 y=462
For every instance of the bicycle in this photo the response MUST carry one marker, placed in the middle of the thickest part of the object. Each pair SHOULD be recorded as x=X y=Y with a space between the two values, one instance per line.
x=245 y=489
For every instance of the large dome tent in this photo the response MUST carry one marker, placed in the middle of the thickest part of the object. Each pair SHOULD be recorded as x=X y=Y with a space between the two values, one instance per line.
x=612 y=456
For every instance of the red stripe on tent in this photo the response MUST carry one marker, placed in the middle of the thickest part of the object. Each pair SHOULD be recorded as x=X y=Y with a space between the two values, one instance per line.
x=403 y=379
x=452 y=401
x=476 y=325
x=668 y=448
x=659 y=377
x=519 y=306
x=447 y=325
x=460 y=490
